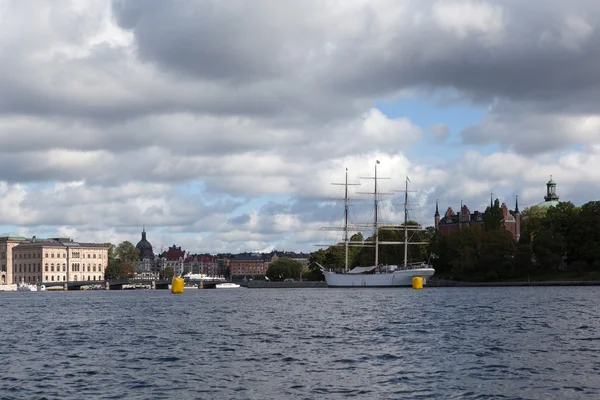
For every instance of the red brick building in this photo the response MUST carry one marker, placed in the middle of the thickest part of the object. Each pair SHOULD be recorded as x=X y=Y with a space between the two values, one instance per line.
x=451 y=221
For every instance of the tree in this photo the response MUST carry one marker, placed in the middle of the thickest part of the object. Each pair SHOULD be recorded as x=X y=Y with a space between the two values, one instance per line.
x=315 y=273
x=127 y=252
x=167 y=273
x=493 y=217
x=284 y=268
x=113 y=270
x=129 y=257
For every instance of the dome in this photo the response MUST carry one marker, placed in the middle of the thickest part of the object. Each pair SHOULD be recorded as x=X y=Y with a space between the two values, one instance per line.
x=144 y=247
x=548 y=204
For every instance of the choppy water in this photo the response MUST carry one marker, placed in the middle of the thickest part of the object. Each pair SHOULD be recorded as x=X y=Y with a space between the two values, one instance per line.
x=438 y=343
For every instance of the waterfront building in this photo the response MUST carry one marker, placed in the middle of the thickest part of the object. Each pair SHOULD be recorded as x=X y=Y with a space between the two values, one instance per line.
x=52 y=260
x=174 y=257
x=7 y=242
x=248 y=264
x=451 y=221
x=202 y=264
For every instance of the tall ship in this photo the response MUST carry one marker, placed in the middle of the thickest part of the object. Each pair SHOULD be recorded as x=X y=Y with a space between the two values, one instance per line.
x=377 y=275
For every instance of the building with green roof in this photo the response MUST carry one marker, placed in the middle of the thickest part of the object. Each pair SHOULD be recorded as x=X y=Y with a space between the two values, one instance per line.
x=551 y=198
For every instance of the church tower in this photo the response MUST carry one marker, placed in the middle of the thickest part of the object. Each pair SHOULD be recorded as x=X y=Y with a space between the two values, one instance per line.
x=517 y=215
x=437 y=215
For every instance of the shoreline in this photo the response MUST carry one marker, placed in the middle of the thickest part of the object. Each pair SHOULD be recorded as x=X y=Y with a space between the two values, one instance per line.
x=446 y=283
x=430 y=284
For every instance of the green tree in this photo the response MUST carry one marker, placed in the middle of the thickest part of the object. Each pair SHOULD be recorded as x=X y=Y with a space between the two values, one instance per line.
x=315 y=273
x=127 y=252
x=493 y=217
x=284 y=268
x=167 y=273
x=129 y=257
x=113 y=270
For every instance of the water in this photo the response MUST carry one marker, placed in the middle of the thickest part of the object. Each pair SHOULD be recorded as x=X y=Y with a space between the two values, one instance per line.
x=467 y=343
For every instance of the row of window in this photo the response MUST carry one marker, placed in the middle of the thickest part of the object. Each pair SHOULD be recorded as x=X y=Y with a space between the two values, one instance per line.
x=75 y=254
x=75 y=267
x=34 y=279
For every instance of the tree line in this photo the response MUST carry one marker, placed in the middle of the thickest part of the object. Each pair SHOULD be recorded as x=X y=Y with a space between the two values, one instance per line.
x=557 y=242
x=123 y=261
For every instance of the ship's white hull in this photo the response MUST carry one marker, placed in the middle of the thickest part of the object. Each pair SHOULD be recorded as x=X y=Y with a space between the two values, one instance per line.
x=389 y=279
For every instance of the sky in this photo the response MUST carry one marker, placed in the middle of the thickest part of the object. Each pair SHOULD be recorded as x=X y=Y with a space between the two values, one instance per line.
x=219 y=126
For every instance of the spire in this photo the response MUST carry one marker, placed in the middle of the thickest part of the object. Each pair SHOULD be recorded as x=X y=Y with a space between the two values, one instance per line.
x=517 y=204
x=437 y=212
x=491 y=200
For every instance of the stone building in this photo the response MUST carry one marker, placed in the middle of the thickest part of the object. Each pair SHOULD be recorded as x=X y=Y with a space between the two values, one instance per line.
x=206 y=264
x=174 y=257
x=51 y=260
x=147 y=262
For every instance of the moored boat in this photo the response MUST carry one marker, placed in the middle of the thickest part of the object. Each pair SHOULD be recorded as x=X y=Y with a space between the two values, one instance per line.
x=227 y=285
x=378 y=275
x=28 y=287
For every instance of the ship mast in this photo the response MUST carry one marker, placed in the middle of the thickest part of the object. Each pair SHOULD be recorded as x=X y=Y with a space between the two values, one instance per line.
x=406 y=223
x=346 y=223
x=375 y=222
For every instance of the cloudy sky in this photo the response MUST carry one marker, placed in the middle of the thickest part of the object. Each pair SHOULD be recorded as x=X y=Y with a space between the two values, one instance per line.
x=220 y=125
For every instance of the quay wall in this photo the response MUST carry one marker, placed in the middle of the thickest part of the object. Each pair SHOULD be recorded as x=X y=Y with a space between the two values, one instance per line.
x=255 y=284
x=447 y=283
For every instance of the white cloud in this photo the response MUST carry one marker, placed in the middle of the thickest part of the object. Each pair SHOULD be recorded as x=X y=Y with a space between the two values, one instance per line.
x=221 y=132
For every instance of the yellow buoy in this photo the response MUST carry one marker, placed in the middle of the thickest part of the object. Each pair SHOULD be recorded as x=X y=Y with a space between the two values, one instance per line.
x=417 y=282
x=177 y=286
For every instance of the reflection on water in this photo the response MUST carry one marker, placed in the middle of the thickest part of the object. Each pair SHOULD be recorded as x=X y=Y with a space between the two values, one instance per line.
x=467 y=343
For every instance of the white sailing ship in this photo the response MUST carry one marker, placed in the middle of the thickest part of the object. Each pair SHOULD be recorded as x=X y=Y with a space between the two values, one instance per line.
x=378 y=275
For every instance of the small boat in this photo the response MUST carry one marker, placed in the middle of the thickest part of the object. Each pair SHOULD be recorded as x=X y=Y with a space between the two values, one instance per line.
x=227 y=285
x=28 y=287
x=378 y=275
x=8 y=287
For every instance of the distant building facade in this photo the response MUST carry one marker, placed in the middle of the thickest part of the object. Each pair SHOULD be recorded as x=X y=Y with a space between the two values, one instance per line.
x=51 y=260
x=174 y=257
x=202 y=264
x=451 y=222
x=147 y=267
x=248 y=264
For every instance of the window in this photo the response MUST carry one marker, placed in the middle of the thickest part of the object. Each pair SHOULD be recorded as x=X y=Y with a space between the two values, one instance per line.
x=64 y=267
x=52 y=255
x=46 y=267
x=51 y=267
x=88 y=267
x=89 y=256
x=94 y=268
x=94 y=255
x=52 y=278
x=46 y=255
